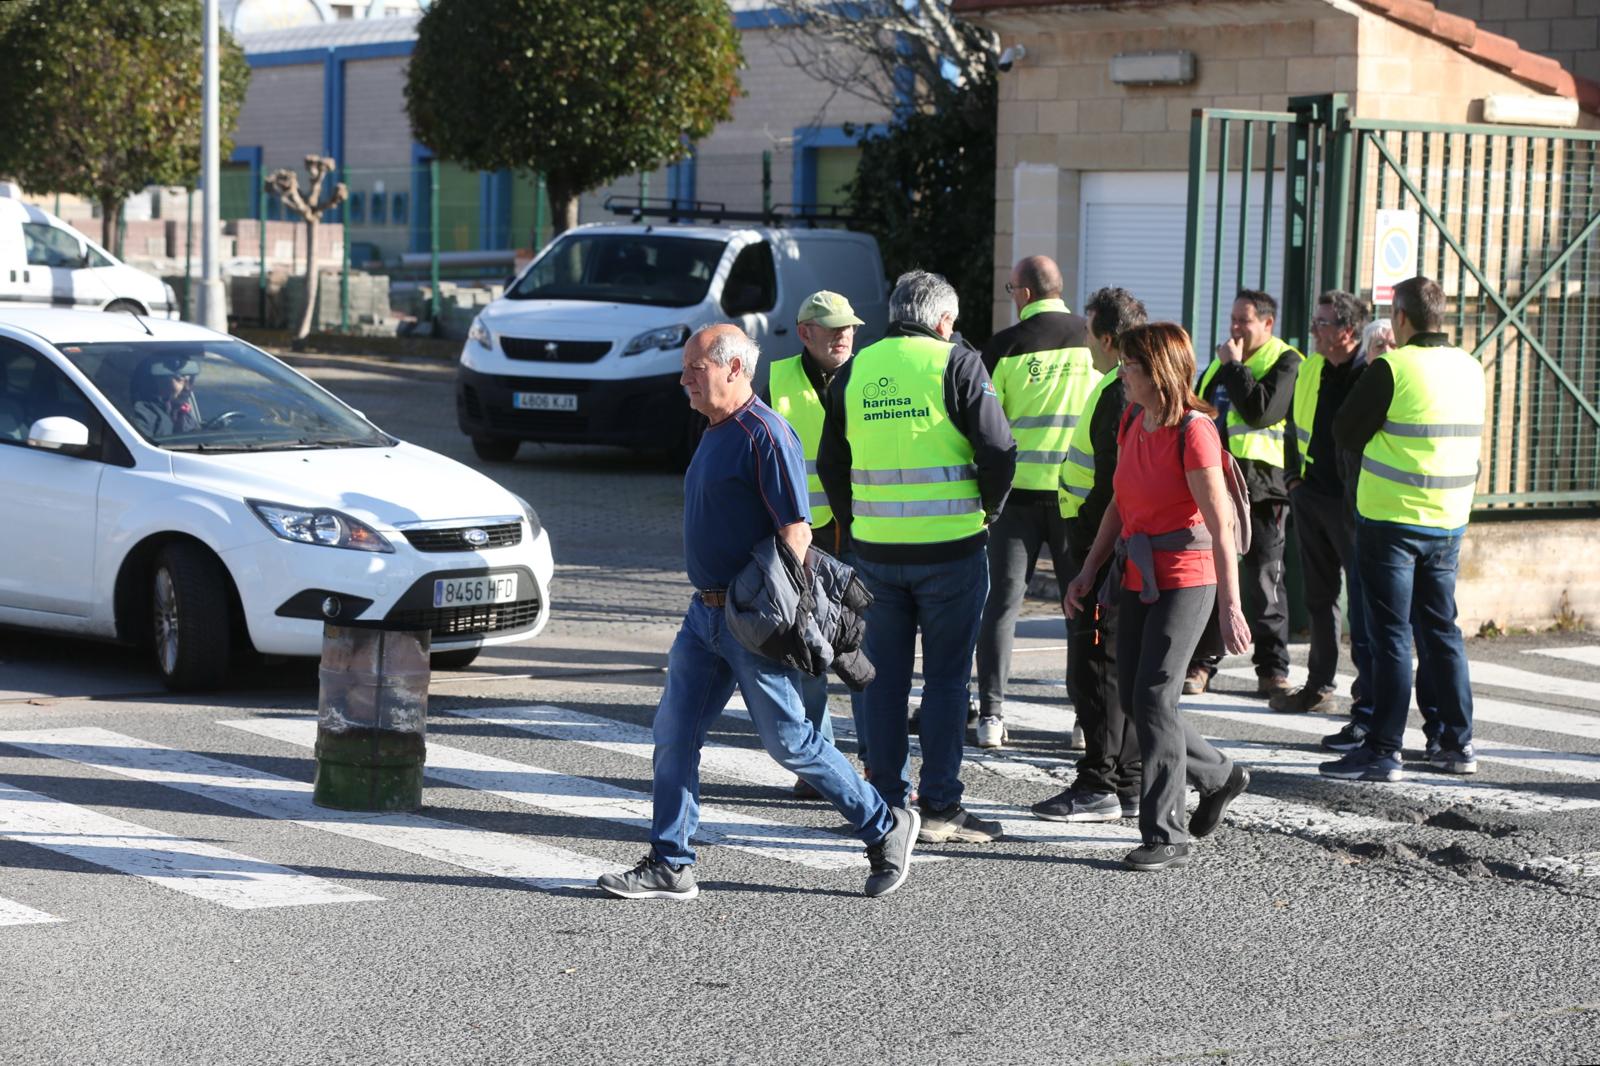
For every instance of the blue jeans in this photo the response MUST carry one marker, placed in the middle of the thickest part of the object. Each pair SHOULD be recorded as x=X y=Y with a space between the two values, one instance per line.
x=705 y=663
x=814 y=695
x=1408 y=582
x=1361 y=653
x=944 y=600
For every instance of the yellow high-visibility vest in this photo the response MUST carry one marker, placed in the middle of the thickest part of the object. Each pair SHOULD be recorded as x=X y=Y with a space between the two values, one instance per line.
x=1421 y=468
x=796 y=399
x=912 y=476
x=1043 y=395
x=1077 y=469
x=1306 y=387
x=1244 y=441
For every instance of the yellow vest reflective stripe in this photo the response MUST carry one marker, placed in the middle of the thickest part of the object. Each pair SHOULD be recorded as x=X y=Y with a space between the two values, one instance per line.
x=1077 y=470
x=1306 y=387
x=794 y=397
x=1263 y=445
x=912 y=477
x=1421 y=468
x=1043 y=395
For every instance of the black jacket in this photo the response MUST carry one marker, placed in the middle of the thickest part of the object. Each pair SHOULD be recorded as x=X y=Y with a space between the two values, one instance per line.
x=807 y=618
x=1260 y=403
x=975 y=412
x=1046 y=331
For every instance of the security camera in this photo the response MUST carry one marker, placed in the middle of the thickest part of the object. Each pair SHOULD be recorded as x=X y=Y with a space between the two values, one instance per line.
x=1011 y=57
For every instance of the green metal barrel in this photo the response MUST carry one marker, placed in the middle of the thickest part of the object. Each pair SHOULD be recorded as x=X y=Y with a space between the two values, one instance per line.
x=372 y=717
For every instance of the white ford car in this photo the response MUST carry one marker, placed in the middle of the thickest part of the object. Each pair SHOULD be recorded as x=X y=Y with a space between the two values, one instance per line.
x=171 y=486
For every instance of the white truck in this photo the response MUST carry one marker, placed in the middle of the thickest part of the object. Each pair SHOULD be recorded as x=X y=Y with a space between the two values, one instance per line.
x=586 y=345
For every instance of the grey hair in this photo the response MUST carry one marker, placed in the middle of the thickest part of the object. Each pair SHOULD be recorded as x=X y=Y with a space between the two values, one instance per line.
x=1370 y=334
x=727 y=346
x=922 y=299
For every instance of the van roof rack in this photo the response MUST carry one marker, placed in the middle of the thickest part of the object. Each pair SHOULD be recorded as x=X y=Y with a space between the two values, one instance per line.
x=639 y=208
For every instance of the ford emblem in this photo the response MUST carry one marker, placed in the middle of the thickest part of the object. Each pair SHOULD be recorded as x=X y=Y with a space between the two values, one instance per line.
x=475 y=538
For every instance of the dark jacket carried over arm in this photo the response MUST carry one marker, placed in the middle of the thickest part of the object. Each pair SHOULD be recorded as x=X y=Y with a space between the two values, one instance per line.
x=807 y=618
x=1260 y=403
x=974 y=410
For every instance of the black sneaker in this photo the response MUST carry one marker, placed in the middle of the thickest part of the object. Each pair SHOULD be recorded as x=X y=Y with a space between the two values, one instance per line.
x=1349 y=738
x=1208 y=814
x=957 y=824
x=1157 y=856
x=1363 y=764
x=1455 y=762
x=891 y=857
x=652 y=879
x=1072 y=806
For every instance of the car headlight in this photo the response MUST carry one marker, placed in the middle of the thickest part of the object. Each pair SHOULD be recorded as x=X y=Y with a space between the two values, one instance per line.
x=480 y=333
x=533 y=517
x=317 y=525
x=666 y=339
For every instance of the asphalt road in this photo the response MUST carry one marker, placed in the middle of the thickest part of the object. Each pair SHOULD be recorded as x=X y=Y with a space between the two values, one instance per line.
x=167 y=895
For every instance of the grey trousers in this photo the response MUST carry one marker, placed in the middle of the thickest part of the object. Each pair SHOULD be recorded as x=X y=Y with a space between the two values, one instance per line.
x=1014 y=543
x=1154 y=644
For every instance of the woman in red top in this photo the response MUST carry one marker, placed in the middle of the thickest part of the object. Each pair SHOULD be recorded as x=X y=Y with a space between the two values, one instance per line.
x=1171 y=522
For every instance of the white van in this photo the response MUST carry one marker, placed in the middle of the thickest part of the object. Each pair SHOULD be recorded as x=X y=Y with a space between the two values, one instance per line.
x=586 y=346
x=46 y=263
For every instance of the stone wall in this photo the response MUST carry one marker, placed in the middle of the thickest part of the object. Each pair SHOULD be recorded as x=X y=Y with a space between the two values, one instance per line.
x=1516 y=573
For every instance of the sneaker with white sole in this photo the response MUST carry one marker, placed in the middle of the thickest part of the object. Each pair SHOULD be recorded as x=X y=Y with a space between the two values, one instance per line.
x=1363 y=764
x=890 y=858
x=991 y=731
x=956 y=824
x=1349 y=738
x=1072 y=806
x=651 y=879
x=1455 y=762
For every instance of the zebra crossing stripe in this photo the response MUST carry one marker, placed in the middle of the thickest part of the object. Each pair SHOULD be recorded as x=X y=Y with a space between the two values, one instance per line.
x=1588 y=654
x=1532 y=682
x=14 y=913
x=585 y=797
x=1484 y=709
x=202 y=870
x=270 y=796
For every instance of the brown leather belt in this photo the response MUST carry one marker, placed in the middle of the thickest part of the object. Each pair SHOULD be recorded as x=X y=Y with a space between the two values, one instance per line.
x=713 y=597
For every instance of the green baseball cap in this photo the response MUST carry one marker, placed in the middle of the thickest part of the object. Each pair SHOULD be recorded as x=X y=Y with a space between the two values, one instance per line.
x=828 y=309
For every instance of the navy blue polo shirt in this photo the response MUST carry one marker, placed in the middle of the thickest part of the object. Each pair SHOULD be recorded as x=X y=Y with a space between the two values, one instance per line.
x=747 y=480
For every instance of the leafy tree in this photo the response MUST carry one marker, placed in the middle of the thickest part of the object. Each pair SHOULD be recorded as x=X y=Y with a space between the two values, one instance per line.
x=102 y=99
x=925 y=190
x=583 y=92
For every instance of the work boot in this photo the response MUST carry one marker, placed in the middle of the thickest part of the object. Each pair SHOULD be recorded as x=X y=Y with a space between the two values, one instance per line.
x=1196 y=680
x=1304 y=700
x=1270 y=685
x=957 y=824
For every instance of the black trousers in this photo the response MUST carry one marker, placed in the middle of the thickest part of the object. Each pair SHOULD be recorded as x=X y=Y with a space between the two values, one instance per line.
x=1326 y=532
x=1110 y=761
x=1265 y=602
x=1154 y=643
x=1014 y=542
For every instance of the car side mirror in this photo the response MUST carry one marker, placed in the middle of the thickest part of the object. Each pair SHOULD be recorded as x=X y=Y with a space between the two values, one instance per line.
x=58 y=433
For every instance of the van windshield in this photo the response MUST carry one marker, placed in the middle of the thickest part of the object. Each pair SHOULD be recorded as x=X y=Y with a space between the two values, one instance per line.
x=630 y=268
x=219 y=396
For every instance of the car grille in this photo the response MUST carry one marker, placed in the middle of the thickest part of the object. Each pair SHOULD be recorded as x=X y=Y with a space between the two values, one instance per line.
x=501 y=535
x=465 y=621
x=541 y=350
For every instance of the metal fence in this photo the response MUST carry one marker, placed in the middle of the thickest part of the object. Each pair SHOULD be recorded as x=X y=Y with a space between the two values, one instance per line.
x=1505 y=219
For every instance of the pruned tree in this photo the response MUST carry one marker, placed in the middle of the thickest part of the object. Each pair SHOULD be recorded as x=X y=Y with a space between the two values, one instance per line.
x=102 y=99
x=309 y=208
x=901 y=56
x=583 y=93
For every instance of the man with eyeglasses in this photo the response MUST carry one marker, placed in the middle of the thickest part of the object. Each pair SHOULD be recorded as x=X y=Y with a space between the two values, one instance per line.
x=1324 y=525
x=1043 y=373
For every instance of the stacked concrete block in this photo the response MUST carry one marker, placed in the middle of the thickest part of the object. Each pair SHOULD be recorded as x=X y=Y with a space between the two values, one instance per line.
x=369 y=302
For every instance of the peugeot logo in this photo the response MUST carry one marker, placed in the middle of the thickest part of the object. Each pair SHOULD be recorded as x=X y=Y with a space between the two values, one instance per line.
x=550 y=349
x=475 y=538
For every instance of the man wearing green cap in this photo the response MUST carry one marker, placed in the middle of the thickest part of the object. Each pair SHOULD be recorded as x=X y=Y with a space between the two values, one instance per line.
x=797 y=389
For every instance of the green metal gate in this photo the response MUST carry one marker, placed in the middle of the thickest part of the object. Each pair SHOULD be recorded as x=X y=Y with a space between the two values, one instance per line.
x=1508 y=223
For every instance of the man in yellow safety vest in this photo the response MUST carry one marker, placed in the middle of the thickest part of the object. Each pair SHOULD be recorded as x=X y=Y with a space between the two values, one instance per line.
x=916 y=459
x=1251 y=384
x=1416 y=416
x=1043 y=371
x=796 y=387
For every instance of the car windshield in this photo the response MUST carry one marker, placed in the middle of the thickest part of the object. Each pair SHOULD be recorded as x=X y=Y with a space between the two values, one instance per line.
x=631 y=268
x=219 y=396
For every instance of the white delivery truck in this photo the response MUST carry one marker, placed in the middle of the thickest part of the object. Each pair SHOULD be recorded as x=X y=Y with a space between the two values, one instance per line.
x=46 y=263
x=586 y=345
